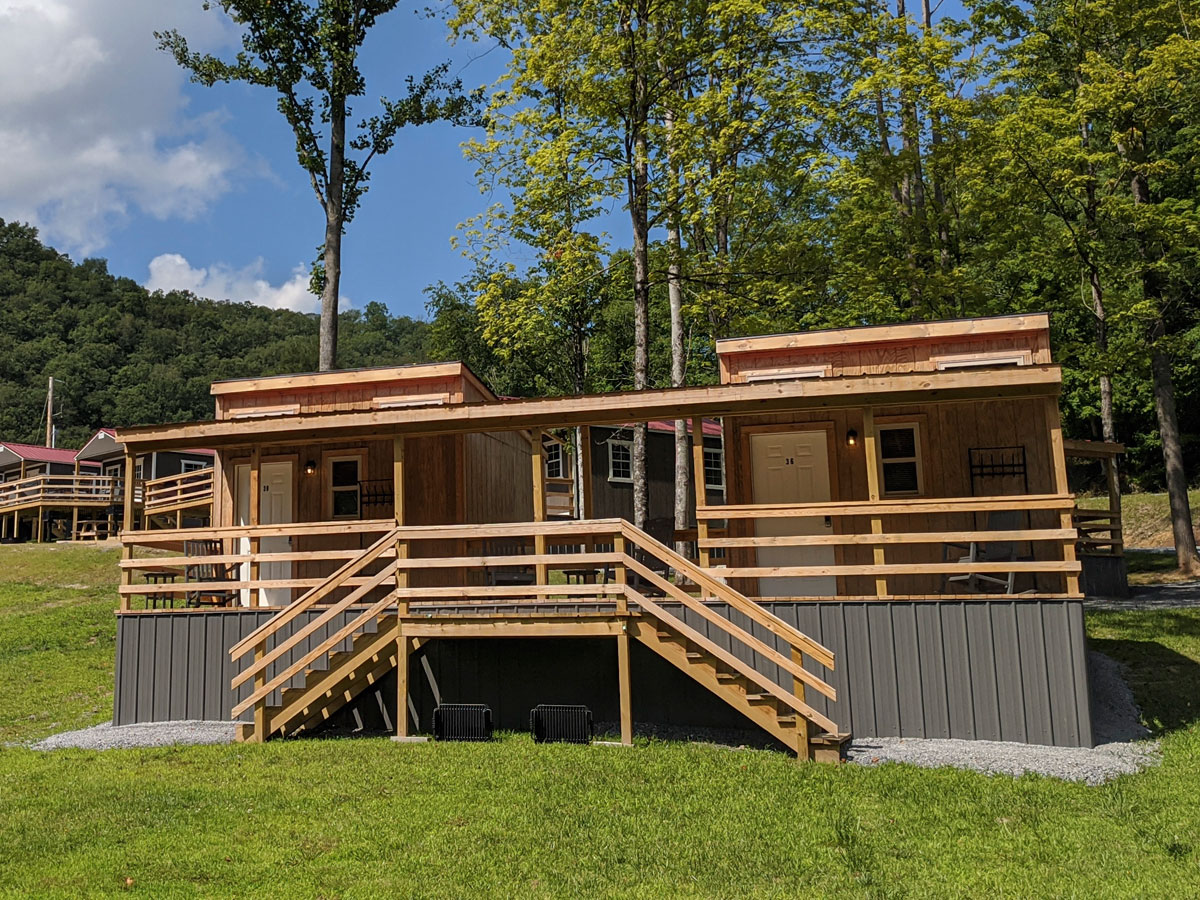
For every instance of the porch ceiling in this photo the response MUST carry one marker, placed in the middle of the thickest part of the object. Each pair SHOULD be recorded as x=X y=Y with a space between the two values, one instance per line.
x=611 y=409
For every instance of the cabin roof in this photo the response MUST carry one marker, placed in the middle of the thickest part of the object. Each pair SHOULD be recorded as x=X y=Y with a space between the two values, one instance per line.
x=348 y=377
x=613 y=408
x=905 y=332
x=103 y=444
x=13 y=451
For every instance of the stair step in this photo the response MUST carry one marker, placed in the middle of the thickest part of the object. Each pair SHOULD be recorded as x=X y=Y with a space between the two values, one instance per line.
x=692 y=654
x=729 y=676
x=760 y=698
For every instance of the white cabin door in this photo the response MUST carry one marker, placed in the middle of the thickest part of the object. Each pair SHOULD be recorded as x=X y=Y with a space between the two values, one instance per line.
x=792 y=467
x=275 y=481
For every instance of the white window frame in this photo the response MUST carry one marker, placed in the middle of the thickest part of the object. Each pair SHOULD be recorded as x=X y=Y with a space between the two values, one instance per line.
x=915 y=428
x=720 y=456
x=332 y=491
x=628 y=445
x=553 y=455
x=191 y=465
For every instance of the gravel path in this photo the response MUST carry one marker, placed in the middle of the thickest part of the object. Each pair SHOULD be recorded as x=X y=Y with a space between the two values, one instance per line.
x=1121 y=745
x=147 y=734
x=1152 y=596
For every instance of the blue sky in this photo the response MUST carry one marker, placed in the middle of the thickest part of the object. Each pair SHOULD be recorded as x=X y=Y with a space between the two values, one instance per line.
x=113 y=153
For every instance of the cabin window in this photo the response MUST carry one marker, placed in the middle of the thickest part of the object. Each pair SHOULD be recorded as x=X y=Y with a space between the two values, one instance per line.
x=552 y=453
x=620 y=460
x=899 y=460
x=983 y=359
x=137 y=471
x=714 y=468
x=344 y=495
x=191 y=465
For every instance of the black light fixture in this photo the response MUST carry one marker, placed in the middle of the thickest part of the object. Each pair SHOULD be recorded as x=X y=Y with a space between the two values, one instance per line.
x=310 y=468
x=851 y=438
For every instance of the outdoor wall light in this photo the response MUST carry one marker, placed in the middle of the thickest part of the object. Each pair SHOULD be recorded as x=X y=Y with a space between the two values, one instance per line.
x=851 y=438
x=310 y=468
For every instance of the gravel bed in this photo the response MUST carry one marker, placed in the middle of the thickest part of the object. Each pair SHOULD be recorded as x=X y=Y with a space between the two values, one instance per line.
x=146 y=734
x=1179 y=595
x=1121 y=747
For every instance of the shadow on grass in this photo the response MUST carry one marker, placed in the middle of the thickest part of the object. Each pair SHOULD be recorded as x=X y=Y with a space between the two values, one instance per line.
x=1165 y=683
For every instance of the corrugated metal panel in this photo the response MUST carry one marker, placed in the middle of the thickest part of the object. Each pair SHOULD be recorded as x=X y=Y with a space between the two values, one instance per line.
x=995 y=670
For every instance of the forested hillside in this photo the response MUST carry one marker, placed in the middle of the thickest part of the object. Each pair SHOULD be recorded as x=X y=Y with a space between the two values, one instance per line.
x=122 y=356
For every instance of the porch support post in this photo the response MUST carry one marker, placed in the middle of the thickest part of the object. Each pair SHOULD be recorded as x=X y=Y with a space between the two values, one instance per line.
x=260 y=650
x=1112 y=476
x=803 y=749
x=586 y=501
x=255 y=506
x=699 y=488
x=41 y=521
x=1058 y=467
x=402 y=549
x=625 y=688
x=75 y=494
x=871 y=454
x=538 y=470
x=127 y=523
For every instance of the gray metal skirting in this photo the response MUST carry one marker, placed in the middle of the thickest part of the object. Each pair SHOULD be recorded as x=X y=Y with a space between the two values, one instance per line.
x=1011 y=670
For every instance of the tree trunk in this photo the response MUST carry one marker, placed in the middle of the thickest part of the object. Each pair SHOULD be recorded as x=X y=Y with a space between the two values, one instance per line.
x=1108 y=426
x=333 y=236
x=1164 y=386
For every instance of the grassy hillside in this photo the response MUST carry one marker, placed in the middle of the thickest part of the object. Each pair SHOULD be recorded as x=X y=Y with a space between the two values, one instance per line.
x=366 y=818
x=1147 y=517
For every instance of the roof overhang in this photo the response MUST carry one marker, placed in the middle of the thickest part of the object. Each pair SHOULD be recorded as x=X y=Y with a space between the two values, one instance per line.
x=611 y=409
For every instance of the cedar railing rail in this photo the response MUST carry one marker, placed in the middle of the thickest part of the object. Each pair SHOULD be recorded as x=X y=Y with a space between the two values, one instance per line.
x=642 y=586
x=44 y=490
x=1100 y=532
x=560 y=496
x=175 y=492
x=1060 y=540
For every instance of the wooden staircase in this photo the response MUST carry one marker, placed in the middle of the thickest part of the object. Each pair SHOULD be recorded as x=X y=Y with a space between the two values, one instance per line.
x=658 y=612
x=325 y=691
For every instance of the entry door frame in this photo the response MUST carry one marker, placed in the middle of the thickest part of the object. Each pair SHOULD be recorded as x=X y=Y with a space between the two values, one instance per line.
x=746 y=480
x=231 y=467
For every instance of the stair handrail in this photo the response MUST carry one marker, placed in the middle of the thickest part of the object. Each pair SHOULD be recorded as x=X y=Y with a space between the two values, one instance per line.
x=308 y=599
x=728 y=626
x=260 y=664
x=263 y=691
x=745 y=669
x=777 y=626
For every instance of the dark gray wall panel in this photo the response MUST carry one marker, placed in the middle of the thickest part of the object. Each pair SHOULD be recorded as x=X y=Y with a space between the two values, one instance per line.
x=993 y=670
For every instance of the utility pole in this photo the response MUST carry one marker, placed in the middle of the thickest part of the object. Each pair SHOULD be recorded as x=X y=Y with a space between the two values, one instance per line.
x=50 y=413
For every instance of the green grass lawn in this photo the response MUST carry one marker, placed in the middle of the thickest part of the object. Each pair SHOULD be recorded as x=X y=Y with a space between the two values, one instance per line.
x=368 y=818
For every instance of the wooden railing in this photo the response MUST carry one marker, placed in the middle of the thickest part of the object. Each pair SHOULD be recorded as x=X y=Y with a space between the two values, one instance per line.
x=67 y=490
x=648 y=578
x=154 y=556
x=1100 y=532
x=874 y=551
x=560 y=497
x=186 y=490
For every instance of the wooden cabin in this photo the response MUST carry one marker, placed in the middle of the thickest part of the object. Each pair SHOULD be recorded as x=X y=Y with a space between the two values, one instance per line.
x=171 y=488
x=41 y=488
x=893 y=552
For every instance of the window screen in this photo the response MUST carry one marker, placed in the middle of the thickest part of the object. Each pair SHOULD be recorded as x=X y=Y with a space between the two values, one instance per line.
x=899 y=460
x=620 y=460
x=714 y=468
x=343 y=487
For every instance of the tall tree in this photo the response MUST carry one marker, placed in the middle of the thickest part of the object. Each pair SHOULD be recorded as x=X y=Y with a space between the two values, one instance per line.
x=307 y=52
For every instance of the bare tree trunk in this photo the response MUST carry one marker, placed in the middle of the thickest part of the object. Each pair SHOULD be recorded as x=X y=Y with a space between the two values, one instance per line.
x=1108 y=426
x=333 y=237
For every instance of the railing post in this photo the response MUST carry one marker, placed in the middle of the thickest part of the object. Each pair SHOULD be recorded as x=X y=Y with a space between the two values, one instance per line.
x=255 y=503
x=803 y=749
x=871 y=454
x=77 y=491
x=539 y=501
x=127 y=527
x=619 y=572
x=624 y=686
x=701 y=491
x=1058 y=464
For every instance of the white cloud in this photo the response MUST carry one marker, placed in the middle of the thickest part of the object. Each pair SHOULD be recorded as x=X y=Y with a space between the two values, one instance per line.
x=94 y=123
x=171 y=271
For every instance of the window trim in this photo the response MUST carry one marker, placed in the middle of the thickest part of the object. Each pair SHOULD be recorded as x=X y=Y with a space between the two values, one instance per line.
x=560 y=458
x=918 y=456
x=187 y=466
x=720 y=453
x=619 y=479
x=359 y=457
x=983 y=359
